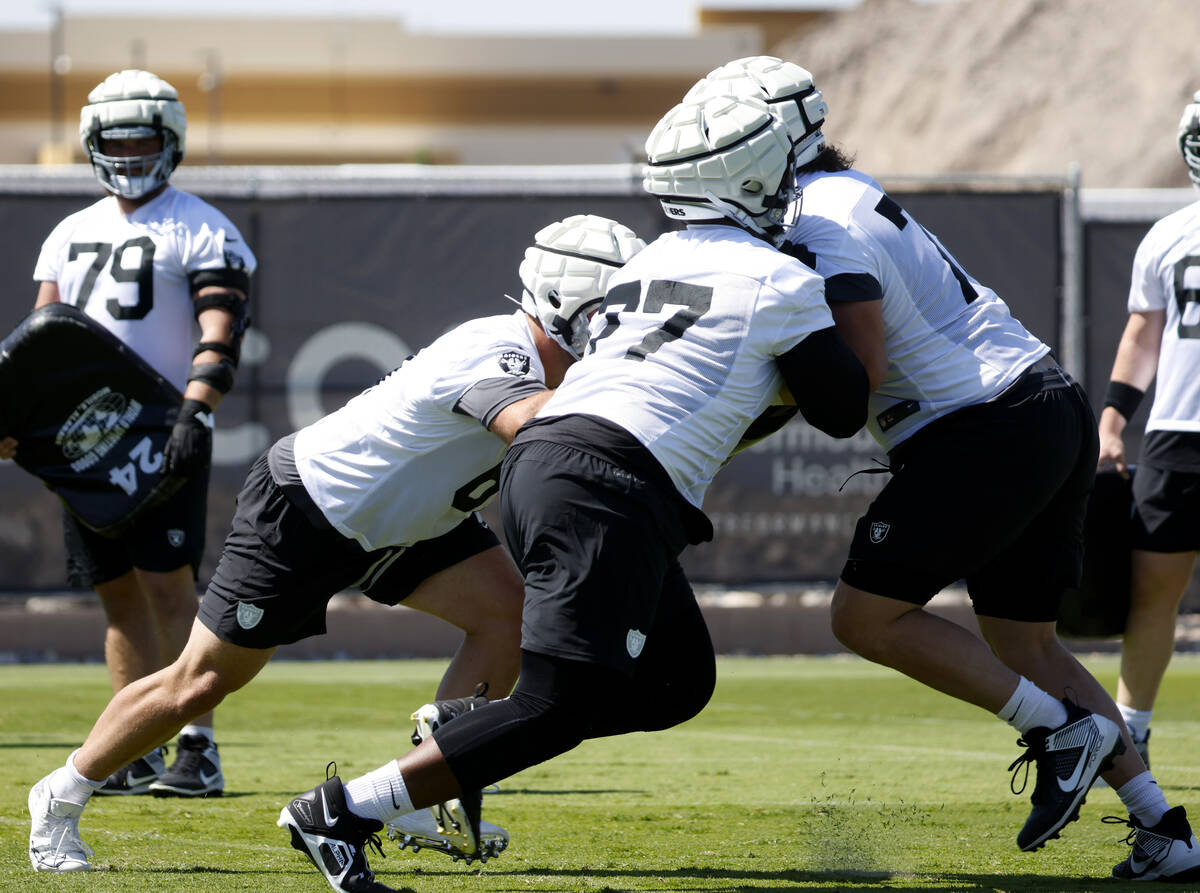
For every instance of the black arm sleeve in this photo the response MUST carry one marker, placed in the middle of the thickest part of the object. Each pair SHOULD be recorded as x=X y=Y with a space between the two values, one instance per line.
x=828 y=382
x=852 y=287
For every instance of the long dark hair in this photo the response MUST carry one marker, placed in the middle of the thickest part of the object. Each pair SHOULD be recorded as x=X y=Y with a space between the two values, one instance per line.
x=831 y=160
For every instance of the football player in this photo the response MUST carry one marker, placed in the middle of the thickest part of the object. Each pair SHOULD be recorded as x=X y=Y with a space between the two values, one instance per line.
x=382 y=495
x=1161 y=339
x=147 y=262
x=992 y=452
x=601 y=491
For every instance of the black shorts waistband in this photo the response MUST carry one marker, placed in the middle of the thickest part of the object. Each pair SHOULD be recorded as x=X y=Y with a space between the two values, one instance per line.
x=1043 y=375
x=281 y=459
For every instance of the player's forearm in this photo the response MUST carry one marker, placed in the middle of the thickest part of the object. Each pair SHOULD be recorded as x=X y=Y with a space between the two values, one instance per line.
x=206 y=394
x=214 y=364
x=1136 y=362
x=509 y=420
x=1112 y=423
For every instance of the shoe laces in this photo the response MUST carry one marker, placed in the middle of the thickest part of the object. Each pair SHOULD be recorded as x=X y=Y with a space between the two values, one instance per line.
x=1132 y=837
x=1034 y=751
x=189 y=760
x=65 y=839
x=371 y=839
x=1118 y=820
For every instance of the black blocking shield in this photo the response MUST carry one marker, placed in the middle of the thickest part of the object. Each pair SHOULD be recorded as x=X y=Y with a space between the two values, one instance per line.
x=1098 y=609
x=90 y=416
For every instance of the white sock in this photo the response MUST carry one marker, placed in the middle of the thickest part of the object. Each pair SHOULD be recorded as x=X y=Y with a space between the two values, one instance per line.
x=1030 y=707
x=1143 y=799
x=1138 y=721
x=67 y=784
x=205 y=732
x=380 y=794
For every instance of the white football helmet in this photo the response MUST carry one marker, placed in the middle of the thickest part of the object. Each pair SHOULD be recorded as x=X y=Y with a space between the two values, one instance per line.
x=133 y=104
x=565 y=274
x=785 y=87
x=723 y=156
x=1189 y=138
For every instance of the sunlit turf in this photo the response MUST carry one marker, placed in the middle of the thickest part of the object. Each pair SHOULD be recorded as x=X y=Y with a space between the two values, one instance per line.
x=802 y=774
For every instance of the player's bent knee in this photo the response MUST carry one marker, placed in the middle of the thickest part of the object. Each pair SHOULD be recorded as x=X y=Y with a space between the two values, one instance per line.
x=523 y=731
x=847 y=626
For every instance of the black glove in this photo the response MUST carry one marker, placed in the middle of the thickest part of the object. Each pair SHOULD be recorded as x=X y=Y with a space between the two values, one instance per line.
x=189 y=449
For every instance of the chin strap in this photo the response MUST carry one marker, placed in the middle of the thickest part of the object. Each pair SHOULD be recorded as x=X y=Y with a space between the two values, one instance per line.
x=772 y=233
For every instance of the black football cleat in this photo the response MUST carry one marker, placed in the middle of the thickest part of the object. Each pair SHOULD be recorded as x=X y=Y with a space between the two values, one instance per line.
x=1068 y=759
x=1167 y=851
x=333 y=838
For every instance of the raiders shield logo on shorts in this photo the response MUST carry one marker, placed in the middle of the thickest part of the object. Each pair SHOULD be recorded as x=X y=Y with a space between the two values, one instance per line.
x=248 y=615
x=175 y=537
x=634 y=642
x=879 y=529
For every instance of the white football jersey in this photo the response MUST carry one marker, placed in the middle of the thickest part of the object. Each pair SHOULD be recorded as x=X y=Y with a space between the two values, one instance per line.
x=409 y=458
x=951 y=342
x=682 y=356
x=1166 y=276
x=133 y=274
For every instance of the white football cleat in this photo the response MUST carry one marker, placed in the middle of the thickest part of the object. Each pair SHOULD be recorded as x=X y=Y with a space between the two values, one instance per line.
x=420 y=830
x=458 y=819
x=54 y=843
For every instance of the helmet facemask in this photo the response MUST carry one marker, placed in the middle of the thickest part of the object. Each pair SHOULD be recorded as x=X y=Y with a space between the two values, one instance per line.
x=1189 y=139
x=133 y=176
x=568 y=332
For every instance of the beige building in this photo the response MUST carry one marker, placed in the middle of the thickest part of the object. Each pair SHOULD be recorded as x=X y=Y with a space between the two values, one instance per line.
x=309 y=91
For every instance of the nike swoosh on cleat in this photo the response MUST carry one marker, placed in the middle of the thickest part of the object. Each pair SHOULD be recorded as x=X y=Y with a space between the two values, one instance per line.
x=1139 y=868
x=1070 y=783
x=329 y=820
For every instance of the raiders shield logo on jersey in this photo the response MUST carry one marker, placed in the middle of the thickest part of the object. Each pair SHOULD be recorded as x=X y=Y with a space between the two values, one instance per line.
x=514 y=363
x=879 y=529
x=634 y=642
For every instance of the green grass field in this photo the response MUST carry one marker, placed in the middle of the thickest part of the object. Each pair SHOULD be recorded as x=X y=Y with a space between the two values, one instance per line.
x=802 y=774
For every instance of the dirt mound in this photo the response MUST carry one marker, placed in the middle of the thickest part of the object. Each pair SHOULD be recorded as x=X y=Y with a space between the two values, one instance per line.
x=1009 y=86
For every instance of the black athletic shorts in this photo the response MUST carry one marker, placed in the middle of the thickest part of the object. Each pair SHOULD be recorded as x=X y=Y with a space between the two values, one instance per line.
x=993 y=494
x=278 y=571
x=1166 y=513
x=598 y=547
x=164 y=539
